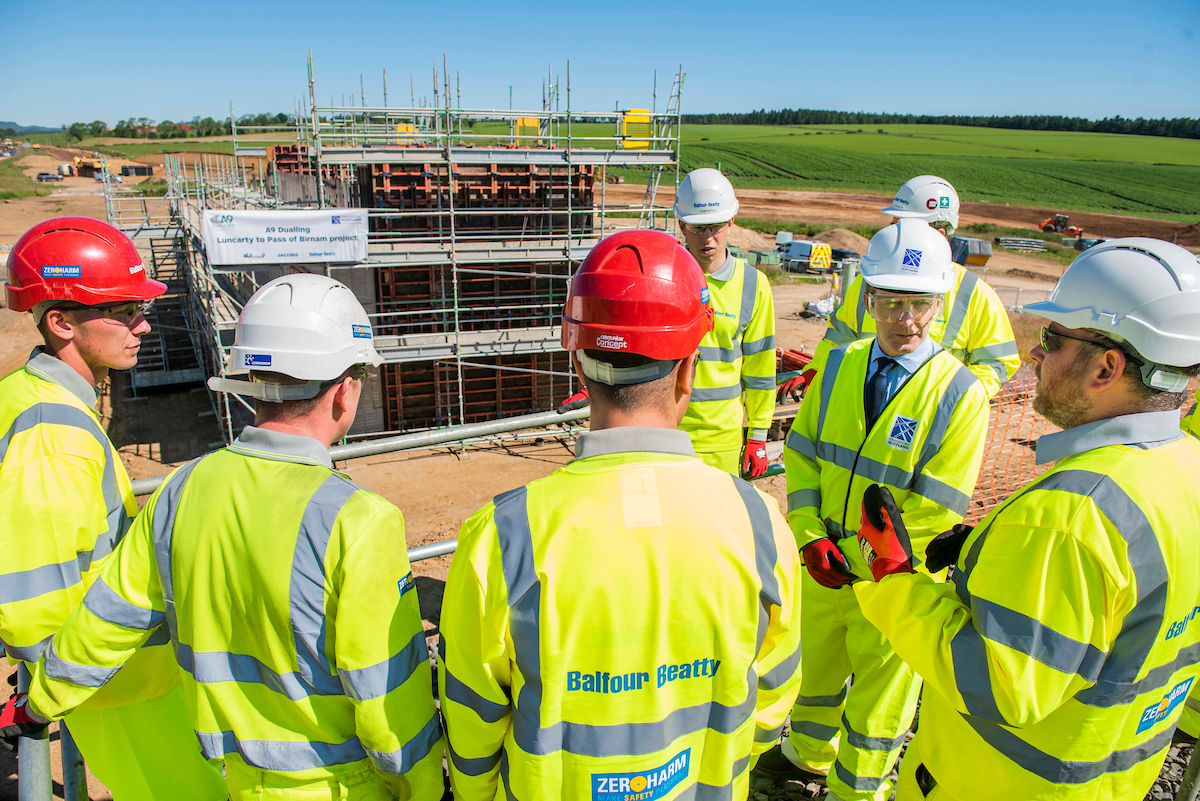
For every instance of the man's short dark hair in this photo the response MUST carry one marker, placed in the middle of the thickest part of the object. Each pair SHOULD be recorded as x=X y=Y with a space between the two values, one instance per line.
x=1152 y=400
x=291 y=409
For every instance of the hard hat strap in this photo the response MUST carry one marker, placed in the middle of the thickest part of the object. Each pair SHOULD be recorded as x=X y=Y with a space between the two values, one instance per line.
x=266 y=390
x=605 y=373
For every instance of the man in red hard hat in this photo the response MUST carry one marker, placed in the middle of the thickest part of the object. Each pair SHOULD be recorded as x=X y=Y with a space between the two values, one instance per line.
x=66 y=501
x=629 y=625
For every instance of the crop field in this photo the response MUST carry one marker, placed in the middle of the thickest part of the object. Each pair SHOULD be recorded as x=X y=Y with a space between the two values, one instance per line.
x=1146 y=176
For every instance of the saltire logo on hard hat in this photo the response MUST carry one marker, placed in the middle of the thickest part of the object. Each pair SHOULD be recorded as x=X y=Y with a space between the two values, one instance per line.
x=361 y=331
x=912 y=261
x=61 y=271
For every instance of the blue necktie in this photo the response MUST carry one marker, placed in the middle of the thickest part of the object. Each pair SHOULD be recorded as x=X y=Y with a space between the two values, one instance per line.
x=875 y=397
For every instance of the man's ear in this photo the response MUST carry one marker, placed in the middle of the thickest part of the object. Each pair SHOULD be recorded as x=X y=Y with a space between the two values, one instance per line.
x=55 y=323
x=1107 y=369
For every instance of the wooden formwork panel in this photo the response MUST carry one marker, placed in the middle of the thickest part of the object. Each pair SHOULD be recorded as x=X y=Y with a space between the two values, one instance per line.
x=426 y=394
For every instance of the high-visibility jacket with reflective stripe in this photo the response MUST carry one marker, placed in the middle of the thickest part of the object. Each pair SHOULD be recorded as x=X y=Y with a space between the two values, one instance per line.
x=292 y=609
x=972 y=324
x=1057 y=663
x=1191 y=420
x=605 y=634
x=65 y=502
x=925 y=447
x=737 y=362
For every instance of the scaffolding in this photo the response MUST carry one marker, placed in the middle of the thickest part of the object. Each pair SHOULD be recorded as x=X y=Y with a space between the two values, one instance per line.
x=477 y=220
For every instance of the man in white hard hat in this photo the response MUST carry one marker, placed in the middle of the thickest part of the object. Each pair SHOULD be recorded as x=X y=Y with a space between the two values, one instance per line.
x=735 y=380
x=286 y=587
x=972 y=323
x=1058 y=662
x=899 y=411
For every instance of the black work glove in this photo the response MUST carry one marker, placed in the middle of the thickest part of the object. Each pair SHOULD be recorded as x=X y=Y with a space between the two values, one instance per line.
x=943 y=550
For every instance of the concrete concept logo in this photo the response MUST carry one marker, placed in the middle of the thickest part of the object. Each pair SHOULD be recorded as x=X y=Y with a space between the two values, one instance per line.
x=610 y=342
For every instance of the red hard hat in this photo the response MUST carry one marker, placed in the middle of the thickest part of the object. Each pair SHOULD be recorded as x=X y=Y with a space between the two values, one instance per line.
x=76 y=259
x=638 y=292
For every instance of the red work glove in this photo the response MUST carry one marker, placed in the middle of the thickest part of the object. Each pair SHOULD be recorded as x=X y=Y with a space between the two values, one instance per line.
x=882 y=536
x=754 y=458
x=826 y=564
x=16 y=720
x=795 y=386
x=576 y=401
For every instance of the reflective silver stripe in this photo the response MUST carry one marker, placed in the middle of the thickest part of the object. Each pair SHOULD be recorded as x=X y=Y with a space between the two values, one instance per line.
x=759 y=434
x=838 y=332
x=215 y=667
x=83 y=675
x=1156 y=679
x=1140 y=628
x=860 y=315
x=474 y=766
x=508 y=793
x=1036 y=640
x=993 y=352
x=959 y=385
x=1192 y=704
x=767 y=735
x=280 y=755
x=824 y=700
x=708 y=792
x=700 y=394
x=776 y=676
x=972 y=677
x=749 y=285
x=761 y=382
x=758 y=345
x=962 y=304
x=800 y=498
x=28 y=653
x=834 y=530
x=488 y=711
x=103 y=602
x=866 y=467
x=801 y=444
x=403 y=759
x=160 y=636
x=867 y=743
x=376 y=681
x=524 y=599
x=27 y=584
x=766 y=555
x=866 y=784
x=1058 y=771
x=942 y=494
x=711 y=353
x=817 y=731
x=306 y=590
x=828 y=379
x=166 y=503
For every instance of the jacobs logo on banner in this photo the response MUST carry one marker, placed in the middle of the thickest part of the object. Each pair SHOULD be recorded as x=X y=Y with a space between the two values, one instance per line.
x=246 y=238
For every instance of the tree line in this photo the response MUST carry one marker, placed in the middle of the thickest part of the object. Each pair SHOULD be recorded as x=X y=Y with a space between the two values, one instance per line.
x=146 y=128
x=1179 y=127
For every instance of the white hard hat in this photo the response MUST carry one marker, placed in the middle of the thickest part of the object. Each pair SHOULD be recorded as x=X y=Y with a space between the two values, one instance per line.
x=908 y=257
x=305 y=326
x=1142 y=291
x=927 y=198
x=705 y=196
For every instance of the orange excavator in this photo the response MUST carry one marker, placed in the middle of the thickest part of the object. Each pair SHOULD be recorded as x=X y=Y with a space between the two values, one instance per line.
x=1060 y=224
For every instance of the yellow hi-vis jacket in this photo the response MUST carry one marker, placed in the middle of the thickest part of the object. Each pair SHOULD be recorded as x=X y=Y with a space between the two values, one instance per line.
x=1191 y=420
x=1057 y=662
x=65 y=503
x=625 y=628
x=292 y=610
x=972 y=324
x=737 y=362
x=925 y=447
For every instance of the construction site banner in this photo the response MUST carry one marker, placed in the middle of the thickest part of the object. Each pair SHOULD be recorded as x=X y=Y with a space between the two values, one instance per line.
x=242 y=239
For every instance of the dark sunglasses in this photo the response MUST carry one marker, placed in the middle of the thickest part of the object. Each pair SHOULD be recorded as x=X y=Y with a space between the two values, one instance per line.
x=1052 y=341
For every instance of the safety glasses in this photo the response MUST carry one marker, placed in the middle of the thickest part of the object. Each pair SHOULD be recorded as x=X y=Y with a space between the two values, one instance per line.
x=1052 y=341
x=892 y=308
x=705 y=230
x=125 y=312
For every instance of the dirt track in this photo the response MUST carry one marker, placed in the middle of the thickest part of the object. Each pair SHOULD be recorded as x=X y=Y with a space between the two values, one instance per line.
x=836 y=208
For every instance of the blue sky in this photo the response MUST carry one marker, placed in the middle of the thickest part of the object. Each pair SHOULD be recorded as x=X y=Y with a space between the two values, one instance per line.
x=68 y=61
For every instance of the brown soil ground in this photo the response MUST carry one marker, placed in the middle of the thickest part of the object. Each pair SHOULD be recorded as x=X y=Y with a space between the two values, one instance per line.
x=436 y=488
x=845 y=209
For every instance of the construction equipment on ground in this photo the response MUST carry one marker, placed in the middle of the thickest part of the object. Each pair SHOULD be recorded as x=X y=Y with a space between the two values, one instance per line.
x=970 y=252
x=1060 y=224
x=86 y=167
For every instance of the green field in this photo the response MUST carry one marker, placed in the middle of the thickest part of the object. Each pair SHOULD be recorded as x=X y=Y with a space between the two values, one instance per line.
x=1142 y=175
x=14 y=183
x=132 y=151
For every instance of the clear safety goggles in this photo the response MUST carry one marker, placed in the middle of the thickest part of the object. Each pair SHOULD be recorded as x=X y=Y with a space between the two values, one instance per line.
x=893 y=308
x=705 y=230
x=125 y=312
